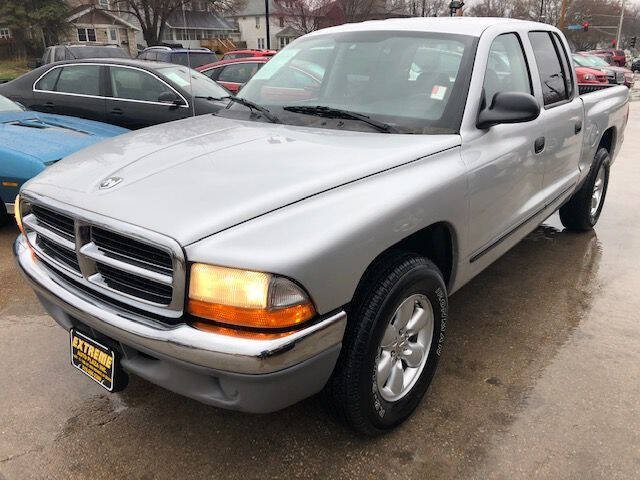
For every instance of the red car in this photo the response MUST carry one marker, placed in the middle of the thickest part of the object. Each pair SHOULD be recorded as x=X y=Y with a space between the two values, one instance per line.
x=591 y=76
x=233 y=74
x=248 y=53
x=618 y=57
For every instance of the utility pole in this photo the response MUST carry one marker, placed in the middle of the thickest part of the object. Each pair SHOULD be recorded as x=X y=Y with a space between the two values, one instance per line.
x=563 y=15
x=266 y=14
x=620 y=24
x=541 y=16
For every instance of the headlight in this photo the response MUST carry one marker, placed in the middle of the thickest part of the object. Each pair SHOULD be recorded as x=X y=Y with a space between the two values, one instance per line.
x=588 y=76
x=246 y=298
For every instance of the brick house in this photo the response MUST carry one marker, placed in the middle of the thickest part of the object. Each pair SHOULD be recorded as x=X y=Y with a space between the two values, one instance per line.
x=94 y=24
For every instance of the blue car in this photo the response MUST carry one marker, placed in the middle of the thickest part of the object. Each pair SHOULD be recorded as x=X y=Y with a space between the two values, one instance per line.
x=31 y=141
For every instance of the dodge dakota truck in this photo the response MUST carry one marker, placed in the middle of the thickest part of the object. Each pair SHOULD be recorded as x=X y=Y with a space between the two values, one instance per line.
x=307 y=238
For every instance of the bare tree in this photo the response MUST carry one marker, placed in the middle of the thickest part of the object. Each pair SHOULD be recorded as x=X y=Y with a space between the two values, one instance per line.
x=301 y=15
x=491 y=8
x=153 y=14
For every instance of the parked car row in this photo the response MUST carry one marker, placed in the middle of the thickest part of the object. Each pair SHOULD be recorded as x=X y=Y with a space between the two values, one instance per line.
x=615 y=74
x=30 y=141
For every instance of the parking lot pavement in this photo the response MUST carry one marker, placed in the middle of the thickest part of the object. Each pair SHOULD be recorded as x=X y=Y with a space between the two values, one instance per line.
x=539 y=379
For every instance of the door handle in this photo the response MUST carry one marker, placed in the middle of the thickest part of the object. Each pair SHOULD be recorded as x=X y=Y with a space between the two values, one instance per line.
x=538 y=145
x=117 y=111
x=578 y=127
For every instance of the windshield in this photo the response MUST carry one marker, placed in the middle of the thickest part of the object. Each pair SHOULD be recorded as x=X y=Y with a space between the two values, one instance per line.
x=589 y=61
x=193 y=59
x=412 y=82
x=7 y=105
x=97 y=52
x=193 y=82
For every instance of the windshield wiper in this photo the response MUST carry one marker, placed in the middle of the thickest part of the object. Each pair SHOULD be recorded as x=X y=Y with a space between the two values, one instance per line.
x=330 y=112
x=211 y=98
x=254 y=106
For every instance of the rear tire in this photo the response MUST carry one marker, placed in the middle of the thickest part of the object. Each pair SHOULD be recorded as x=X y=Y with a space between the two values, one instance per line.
x=389 y=354
x=583 y=210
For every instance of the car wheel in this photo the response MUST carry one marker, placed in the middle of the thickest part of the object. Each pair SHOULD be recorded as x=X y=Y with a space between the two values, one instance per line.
x=583 y=210
x=392 y=343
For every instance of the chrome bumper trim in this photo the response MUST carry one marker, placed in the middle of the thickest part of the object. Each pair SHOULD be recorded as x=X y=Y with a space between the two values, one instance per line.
x=179 y=342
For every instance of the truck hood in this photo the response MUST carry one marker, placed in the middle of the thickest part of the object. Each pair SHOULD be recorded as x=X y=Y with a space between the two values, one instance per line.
x=193 y=178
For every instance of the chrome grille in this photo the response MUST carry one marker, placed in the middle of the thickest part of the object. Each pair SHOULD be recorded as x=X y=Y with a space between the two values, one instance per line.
x=129 y=250
x=135 y=285
x=59 y=223
x=58 y=253
x=126 y=263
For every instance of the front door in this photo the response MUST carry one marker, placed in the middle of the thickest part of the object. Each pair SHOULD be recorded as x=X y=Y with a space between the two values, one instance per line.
x=562 y=114
x=139 y=99
x=504 y=169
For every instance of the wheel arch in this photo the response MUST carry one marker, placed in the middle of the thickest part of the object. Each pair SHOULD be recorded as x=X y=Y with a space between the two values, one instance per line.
x=608 y=140
x=438 y=242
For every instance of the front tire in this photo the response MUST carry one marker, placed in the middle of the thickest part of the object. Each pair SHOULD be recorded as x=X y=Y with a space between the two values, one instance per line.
x=583 y=210
x=393 y=340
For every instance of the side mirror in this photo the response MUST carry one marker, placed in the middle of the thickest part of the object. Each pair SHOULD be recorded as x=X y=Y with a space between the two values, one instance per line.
x=509 y=107
x=170 y=98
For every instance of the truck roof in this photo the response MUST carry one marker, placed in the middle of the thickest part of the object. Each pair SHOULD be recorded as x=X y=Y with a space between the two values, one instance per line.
x=473 y=26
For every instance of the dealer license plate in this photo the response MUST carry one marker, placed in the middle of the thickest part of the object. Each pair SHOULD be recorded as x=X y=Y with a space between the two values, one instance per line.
x=93 y=359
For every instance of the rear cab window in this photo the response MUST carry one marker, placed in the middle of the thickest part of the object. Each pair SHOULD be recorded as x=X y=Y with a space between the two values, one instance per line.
x=553 y=66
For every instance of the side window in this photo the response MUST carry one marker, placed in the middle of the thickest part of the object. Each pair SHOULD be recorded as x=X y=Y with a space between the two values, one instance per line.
x=131 y=84
x=506 y=68
x=82 y=79
x=212 y=73
x=48 y=82
x=568 y=77
x=552 y=74
x=238 y=72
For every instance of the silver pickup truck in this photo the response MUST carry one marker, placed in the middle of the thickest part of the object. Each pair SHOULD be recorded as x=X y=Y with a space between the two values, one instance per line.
x=307 y=238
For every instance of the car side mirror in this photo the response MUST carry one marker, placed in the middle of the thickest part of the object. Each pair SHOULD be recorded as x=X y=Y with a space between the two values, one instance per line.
x=509 y=107
x=171 y=99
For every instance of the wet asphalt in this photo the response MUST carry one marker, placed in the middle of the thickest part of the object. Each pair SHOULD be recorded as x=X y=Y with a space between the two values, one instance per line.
x=540 y=378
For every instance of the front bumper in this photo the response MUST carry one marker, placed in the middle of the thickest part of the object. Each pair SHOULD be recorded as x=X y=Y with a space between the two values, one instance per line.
x=256 y=375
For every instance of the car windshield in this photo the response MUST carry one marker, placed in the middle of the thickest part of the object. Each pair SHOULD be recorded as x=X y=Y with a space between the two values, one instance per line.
x=193 y=82
x=589 y=61
x=193 y=59
x=97 y=52
x=7 y=105
x=409 y=82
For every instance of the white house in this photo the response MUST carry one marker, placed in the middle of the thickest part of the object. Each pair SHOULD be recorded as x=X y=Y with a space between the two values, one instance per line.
x=252 y=26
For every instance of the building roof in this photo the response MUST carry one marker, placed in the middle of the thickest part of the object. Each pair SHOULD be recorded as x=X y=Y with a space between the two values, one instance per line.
x=81 y=10
x=200 y=20
x=288 y=31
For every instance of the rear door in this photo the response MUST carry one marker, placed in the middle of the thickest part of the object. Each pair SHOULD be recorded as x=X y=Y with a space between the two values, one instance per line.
x=75 y=90
x=562 y=114
x=139 y=99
